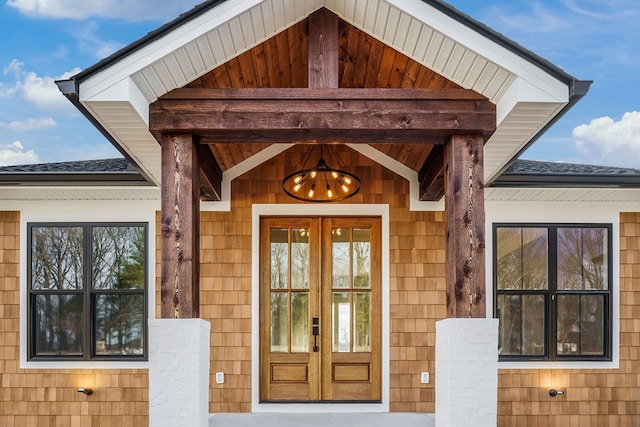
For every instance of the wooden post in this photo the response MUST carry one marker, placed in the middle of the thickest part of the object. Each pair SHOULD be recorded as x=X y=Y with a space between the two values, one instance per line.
x=180 y=227
x=323 y=49
x=464 y=201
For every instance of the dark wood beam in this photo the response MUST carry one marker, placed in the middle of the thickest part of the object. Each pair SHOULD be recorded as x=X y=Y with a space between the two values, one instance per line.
x=179 y=281
x=323 y=49
x=464 y=201
x=210 y=175
x=314 y=115
x=431 y=175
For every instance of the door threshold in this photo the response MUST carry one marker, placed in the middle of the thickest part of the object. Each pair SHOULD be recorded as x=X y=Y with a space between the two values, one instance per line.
x=321 y=402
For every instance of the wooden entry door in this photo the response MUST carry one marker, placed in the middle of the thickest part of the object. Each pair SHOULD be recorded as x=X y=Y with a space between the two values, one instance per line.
x=320 y=309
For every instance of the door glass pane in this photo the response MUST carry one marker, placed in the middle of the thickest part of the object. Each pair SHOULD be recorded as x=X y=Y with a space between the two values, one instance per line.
x=279 y=258
x=521 y=325
x=119 y=325
x=341 y=322
x=522 y=254
x=361 y=322
x=580 y=329
x=300 y=258
x=58 y=325
x=56 y=257
x=118 y=257
x=279 y=322
x=582 y=258
x=299 y=322
x=361 y=258
x=340 y=257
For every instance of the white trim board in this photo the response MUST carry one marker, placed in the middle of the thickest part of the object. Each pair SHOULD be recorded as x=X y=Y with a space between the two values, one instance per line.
x=91 y=212
x=560 y=212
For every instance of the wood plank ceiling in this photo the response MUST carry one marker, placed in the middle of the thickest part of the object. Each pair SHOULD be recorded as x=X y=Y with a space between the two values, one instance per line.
x=281 y=62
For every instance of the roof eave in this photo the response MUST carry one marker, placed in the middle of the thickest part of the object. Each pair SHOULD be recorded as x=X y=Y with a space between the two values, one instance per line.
x=70 y=89
x=73 y=179
x=566 y=181
x=577 y=90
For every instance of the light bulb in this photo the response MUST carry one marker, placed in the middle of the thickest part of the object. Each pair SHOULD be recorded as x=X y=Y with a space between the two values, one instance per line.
x=345 y=188
x=297 y=187
x=312 y=190
x=313 y=174
x=347 y=180
x=329 y=192
x=334 y=174
x=297 y=179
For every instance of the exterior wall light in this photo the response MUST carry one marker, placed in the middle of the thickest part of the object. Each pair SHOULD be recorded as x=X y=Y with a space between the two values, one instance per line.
x=553 y=392
x=86 y=391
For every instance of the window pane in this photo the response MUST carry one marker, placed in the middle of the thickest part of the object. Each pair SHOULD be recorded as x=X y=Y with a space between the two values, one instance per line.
x=522 y=255
x=56 y=258
x=521 y=325
x=58 y=325
x=118 y=257
x=279 y=258
x=340 y=259
x=341 y=322
x=300 y=259
x=580 y=328
x=361 y=322
x=119 y=321
x=582 y=258
x=361 y=258
x=279 y=322
x=300 y=322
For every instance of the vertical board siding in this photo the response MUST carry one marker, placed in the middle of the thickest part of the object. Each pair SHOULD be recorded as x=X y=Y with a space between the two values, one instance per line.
x=39 y=397
x=602 y=397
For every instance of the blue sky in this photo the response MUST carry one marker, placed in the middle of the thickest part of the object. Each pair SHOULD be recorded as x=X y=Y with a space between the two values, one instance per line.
x=45 y=40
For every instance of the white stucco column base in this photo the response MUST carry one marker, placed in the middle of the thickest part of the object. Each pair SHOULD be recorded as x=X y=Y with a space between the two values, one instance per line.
x=179 y=372
x=467 y=372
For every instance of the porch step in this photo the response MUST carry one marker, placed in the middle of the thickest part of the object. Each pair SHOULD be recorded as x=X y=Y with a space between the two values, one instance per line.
x=323 y=420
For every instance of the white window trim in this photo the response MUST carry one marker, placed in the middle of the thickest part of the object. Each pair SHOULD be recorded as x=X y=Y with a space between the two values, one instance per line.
x=259 y=210
x=89 y=212
x=559 y=213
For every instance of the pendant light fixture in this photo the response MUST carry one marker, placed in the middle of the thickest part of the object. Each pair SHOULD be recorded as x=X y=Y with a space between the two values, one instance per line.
x=315 y=180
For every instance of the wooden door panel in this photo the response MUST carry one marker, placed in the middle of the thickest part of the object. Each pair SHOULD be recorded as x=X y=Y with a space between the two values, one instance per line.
x=288 y=365
x=344 y=297
x=351 y=367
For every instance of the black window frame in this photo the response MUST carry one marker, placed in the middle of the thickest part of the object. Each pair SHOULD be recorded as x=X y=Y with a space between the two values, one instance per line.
x=89 y=295
x=550 y=294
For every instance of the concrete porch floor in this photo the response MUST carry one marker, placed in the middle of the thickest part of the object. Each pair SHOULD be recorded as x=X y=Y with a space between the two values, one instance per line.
x=323 y=420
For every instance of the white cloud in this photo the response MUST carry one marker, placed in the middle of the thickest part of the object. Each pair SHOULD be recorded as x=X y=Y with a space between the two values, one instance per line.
x=38 y=90
x=43 y=92
x=92 y=44
x=130 y=10
x=14 y=154
x=29 y=124
x=607 y=142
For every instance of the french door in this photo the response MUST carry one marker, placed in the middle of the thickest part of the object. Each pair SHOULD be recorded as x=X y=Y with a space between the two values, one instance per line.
x=320 y=330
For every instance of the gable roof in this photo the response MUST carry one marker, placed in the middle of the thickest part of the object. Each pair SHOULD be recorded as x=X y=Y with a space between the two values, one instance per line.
x=530 y=93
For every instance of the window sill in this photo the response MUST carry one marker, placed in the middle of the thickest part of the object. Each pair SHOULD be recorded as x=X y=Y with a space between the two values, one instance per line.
x=573 y=364
x=84 y=364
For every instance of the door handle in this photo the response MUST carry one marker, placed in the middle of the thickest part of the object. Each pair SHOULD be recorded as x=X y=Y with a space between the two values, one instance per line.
x=316 y=331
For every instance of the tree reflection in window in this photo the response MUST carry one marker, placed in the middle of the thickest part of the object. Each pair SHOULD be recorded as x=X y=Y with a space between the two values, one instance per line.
x=553 y=291
x=87 y=306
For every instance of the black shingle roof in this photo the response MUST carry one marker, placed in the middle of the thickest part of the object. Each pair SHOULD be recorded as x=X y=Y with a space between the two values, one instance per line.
x=84 y=172
x=82 y=166
x=532 y=173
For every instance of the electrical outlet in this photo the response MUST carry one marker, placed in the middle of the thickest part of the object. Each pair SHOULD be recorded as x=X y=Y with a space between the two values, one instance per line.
x=424 y=378
x=220 y=377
